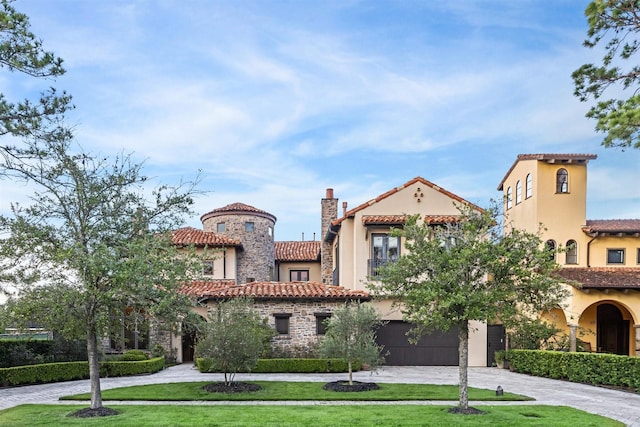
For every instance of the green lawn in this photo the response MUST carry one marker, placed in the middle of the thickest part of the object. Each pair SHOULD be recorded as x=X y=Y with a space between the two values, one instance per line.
x=281 y=390
x=316 y=415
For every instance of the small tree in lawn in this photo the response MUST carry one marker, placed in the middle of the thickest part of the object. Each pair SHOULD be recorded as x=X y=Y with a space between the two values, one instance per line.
x=469 y=271
x=351 y=335
x=233 y=338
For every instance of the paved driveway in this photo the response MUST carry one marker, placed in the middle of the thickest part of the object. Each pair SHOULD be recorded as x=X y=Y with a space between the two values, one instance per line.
x=614 y=404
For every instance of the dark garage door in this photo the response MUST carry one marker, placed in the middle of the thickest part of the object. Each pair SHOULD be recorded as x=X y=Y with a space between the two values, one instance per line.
x=436 y=349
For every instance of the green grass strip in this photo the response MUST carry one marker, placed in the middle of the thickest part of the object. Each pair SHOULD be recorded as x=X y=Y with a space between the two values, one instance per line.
x=317 y=416
x=282 y=390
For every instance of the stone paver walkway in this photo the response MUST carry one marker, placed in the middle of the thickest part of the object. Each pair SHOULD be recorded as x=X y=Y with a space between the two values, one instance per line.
x=614 y=404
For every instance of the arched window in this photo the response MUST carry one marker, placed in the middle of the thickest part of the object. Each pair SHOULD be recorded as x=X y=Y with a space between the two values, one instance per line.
x=509 y=198
x=562 y=181
x=572 y=252
x=529 y=190
x=518 y=192
x=551 y=248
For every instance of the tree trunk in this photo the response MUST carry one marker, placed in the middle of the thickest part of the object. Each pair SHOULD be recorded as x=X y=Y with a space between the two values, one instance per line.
x=94 y=368
x=350 y=373
x=463 y=365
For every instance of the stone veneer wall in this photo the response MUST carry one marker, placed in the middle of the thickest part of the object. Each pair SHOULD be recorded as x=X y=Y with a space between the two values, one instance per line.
x=329 y=212
x=257 y=260
x=302 y=338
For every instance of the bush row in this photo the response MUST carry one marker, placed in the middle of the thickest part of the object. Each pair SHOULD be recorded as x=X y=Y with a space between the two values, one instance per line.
x=66 y=371
x=289 y=365
x=18 y=352
x=588 y=368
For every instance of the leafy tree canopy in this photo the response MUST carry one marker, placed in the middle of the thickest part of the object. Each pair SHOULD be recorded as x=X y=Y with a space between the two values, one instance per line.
x=613 y=25
x=21 y=51
x=92 y=244
x=469 y=271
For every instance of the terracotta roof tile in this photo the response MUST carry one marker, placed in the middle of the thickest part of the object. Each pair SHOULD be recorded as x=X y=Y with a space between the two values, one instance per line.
x=384 y=219
x=205 y=287
x=237 y=208
x=383 y=196
x=551 y=158
x=603 y=277
x=193 y=236
x=441 y=219
x=297 y=250
x=613 y=226
x=277 y=290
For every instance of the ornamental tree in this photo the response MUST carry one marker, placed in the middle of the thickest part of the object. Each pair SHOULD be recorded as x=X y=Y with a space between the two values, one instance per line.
x=613 y=26
x=92 y=244
x=351 y=335
x=233 y=338
x=468 y=271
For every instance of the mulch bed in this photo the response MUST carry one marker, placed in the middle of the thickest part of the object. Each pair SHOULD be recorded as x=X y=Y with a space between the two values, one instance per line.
x=90 y=413
x=356 y=386
x=234 y=387
x=469 y=411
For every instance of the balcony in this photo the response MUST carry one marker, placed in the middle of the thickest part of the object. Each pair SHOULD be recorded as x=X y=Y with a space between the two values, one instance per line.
x=374 y=264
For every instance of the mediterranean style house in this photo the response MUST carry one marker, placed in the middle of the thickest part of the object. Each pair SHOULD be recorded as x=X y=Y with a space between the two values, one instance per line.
x=599 y=259
x=296 y=285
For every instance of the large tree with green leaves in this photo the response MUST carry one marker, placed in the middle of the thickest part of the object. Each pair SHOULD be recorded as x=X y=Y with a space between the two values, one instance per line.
x=613 y=25
x=468 y=271
x=351 y=335
x=30 y=119
x=94 y=243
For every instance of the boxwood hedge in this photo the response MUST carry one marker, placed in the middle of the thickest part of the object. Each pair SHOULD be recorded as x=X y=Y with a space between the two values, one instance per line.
x=289 y=365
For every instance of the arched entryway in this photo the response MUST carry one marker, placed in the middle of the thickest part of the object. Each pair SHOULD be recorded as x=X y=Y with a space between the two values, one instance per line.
x=190 y=326
x=612 y=330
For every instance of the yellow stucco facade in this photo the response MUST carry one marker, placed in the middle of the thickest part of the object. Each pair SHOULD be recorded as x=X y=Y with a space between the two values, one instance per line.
x=548 y=192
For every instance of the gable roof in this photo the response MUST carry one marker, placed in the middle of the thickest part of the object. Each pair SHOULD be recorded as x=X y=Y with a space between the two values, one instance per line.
x=549 y=158
x=237 y=209
x=217 y=290
x=297 y=251
x=352 y=212
x=612 y=226
x=193 y=236
x=602 y=277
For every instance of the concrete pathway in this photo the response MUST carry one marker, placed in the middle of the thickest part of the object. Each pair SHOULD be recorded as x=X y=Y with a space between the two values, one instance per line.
x=614 y=404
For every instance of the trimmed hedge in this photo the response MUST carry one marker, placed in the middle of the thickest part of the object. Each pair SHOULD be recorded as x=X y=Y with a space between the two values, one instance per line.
x=289 y=365
x=588 y=368
x=67 y=371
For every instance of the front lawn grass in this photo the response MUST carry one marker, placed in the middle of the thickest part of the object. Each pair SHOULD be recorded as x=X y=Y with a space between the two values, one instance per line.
x=282 y=390
x=316 y=415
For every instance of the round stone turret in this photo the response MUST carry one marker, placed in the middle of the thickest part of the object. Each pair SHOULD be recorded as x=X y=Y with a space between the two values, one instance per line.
x=254 y=228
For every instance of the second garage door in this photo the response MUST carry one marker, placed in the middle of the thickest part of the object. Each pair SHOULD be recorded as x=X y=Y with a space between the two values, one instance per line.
x=436 y=349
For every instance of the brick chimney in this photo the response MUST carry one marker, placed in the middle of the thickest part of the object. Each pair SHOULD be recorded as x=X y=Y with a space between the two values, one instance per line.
x=329 y=212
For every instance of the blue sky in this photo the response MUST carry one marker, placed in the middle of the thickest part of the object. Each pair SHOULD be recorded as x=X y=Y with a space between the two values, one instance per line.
x=275 y=101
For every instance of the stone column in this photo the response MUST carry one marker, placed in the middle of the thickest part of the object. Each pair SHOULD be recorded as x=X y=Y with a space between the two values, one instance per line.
x=573 y=330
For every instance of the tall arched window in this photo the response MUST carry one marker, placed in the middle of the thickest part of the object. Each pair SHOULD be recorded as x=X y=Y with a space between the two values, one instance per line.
x=509 y=198
x=562 y=181
x=518 y=192
x=572 y=252
x=551 y=248
x=529 y=190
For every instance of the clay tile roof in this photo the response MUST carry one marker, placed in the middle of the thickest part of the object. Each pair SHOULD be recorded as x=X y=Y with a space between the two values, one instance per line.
x=550 y=158
x=441 y=219
x=602 y=277
x=297 y=251
x=284 y=290
x=383 y=196
x=384 y=219
x=193 y=236
x=613 y=226
x=237 y=208
x=198 y=288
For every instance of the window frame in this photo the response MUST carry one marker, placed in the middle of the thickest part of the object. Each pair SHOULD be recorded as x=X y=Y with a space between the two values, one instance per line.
x=301 y=270
x=620 y=251
x=321 y=318
x=377 y=261
x=552 y=247
x=528 y=192
x=571 y=256
x=638 y=256
x=518 y=192
x=207 y=267
x=249 y=226
x=562 y=185
x=282 y=324
x=509 y=198
x=221 y=227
